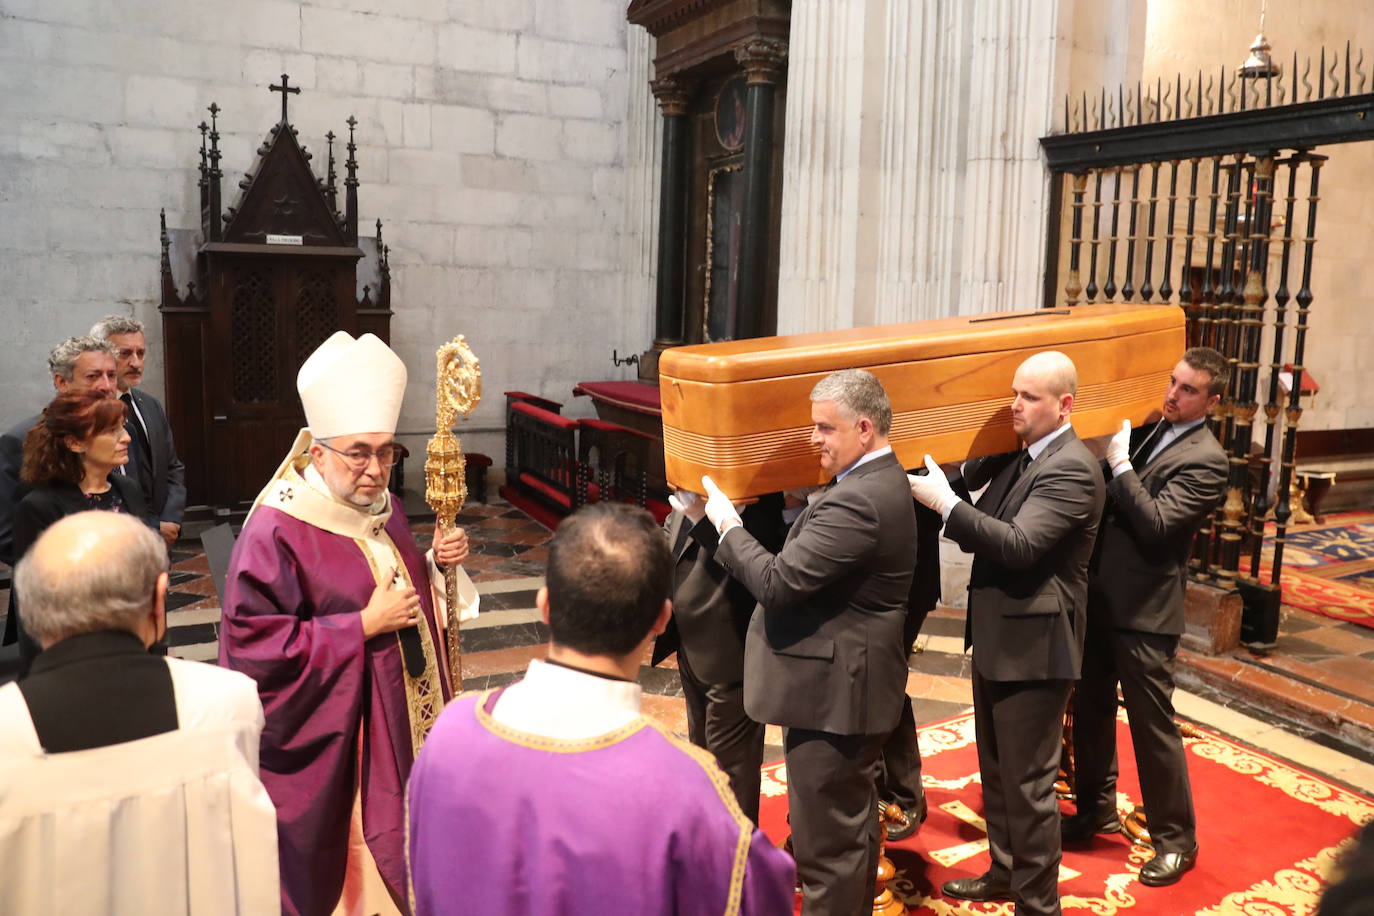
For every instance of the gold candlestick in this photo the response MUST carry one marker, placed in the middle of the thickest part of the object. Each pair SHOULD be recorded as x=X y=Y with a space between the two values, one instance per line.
x=458 y=388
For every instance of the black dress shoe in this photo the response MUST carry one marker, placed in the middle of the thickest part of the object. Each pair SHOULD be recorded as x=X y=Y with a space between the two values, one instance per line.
x=980 y=888
x=909 y=822
x=1083 y=826
x=1167 y=867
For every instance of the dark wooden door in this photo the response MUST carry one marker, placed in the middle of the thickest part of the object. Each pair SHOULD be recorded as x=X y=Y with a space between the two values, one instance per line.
x=270 y=313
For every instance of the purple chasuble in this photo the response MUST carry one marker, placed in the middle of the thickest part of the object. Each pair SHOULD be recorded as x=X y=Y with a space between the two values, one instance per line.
x=291 y=622
x=632 y=822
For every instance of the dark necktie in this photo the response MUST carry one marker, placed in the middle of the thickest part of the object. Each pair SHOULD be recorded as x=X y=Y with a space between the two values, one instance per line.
x=1150 y=446
x=140 y=455
x=1018 y=467
x=684 y=531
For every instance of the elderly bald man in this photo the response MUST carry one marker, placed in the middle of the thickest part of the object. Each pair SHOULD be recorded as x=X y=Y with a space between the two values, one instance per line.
x=132 y=779
x=1031 y=534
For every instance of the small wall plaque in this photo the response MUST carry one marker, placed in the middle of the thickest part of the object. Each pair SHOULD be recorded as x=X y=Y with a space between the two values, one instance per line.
x=283 y=239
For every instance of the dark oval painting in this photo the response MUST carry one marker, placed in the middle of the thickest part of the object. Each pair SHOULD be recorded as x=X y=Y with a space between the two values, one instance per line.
x=730 y=114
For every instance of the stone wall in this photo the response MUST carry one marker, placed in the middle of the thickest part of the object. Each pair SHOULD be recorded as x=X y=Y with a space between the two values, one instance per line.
x=493 y=143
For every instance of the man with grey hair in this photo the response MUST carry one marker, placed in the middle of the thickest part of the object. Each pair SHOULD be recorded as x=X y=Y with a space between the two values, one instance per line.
x=1031 y=534
x=104 y=744
x=823 y=656
x=153 y=460
x=76 y=364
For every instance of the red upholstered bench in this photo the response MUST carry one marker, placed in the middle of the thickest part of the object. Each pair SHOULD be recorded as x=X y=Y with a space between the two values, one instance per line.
x=536 y=400
x=638 y=397
x=542 y=457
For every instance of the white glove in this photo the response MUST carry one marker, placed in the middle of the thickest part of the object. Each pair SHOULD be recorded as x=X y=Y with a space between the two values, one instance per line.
x=1119 y=449
x=933 y=490
x=689 y=504
x=719 y=509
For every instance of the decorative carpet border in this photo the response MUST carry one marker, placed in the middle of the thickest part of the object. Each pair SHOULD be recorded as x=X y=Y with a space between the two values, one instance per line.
x=1325 y=572
x=1293 y=889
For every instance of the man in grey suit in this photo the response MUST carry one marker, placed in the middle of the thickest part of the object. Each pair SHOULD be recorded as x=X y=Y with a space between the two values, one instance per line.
x=1161 y=487
x=1031 y=536
x=823 y=657
x=152 y=454
x=76 y=364
x=711 y=612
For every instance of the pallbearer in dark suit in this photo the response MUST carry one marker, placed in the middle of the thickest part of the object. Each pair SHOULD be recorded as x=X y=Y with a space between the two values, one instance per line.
x=1031 y=536
x=711 y=612
x=899 y=768
x=823 y=657
x=1160 y=488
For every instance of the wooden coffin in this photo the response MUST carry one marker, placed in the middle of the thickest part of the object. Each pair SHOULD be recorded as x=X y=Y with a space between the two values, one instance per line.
x=740 y=410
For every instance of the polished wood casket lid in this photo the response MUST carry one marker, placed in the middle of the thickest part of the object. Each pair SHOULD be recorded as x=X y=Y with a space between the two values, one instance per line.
x=740 y=411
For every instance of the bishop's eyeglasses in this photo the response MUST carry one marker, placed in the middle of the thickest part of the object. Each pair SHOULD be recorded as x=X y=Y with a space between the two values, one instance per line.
x=360 y=458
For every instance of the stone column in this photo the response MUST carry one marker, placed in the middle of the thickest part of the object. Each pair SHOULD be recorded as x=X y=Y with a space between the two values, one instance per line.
x=639 y=237
x=827 y=57
x=762 y=60
x=913 y=184
x=672 y=97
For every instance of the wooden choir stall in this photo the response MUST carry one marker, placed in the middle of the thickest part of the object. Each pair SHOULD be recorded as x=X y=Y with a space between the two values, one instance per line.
x=253 y=292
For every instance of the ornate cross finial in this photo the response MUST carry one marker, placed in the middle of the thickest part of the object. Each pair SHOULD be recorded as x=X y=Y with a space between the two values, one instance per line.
x=285 y=89
x=166 y=242
x=351 y=164
x=331 y=176
x=214 y=110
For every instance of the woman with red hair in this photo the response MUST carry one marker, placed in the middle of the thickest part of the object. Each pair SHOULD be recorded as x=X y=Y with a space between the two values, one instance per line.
x=69 y=460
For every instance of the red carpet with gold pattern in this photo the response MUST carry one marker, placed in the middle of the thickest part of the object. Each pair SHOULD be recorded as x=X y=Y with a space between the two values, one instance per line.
x=1268 y=834
x=1329 y=568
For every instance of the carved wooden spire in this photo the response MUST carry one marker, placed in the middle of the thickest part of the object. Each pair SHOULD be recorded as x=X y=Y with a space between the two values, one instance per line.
x=331 y=177
x=214 y=230
x=351 y=187
x=204 y=183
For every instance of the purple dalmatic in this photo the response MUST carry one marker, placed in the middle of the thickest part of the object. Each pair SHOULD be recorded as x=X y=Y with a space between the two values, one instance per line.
x=292 y=623
x=631 y=822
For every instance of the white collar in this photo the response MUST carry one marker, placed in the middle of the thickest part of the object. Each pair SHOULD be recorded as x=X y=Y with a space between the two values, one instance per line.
x=865 y=458
x=1039 y=445
x=1178 y=429
x=566 y=704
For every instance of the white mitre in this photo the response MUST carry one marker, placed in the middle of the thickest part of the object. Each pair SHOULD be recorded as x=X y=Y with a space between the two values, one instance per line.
x=351 y=386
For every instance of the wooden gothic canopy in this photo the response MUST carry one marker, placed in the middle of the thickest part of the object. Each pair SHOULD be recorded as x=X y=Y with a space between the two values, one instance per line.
x=266 y=280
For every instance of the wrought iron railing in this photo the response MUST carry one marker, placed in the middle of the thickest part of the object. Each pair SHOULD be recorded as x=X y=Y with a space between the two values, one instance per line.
x=1169 y=197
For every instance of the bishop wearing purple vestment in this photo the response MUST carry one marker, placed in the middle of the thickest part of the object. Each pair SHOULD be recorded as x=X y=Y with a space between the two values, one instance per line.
x=555 y=795
x=330 y=608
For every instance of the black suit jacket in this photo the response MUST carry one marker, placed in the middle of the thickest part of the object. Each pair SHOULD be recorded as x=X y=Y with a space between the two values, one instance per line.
x=1031 y=544
x=11 y=490
x=44 y=505
x=711 y=608
x=1141 y=560
x=167 y=502
x=925 y=583
x=824 y=650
